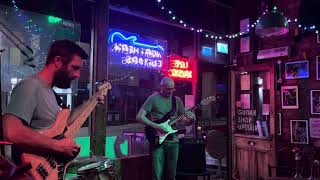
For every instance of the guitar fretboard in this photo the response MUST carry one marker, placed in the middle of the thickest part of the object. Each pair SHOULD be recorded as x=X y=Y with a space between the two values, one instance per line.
x=184 y=114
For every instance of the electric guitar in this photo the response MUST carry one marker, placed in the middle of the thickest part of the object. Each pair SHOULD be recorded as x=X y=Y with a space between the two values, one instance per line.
x=156 y=138
x=47 y=167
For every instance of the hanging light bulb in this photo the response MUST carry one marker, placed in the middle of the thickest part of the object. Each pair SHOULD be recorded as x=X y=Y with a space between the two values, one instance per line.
x=272 y=23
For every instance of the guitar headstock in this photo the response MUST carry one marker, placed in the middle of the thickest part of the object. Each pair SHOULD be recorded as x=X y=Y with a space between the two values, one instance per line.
x=103 y=88
x=207 y=100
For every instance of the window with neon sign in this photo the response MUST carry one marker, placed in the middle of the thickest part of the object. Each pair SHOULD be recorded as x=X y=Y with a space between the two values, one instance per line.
x=133 y=50
x=222 y=48
x=180 y=68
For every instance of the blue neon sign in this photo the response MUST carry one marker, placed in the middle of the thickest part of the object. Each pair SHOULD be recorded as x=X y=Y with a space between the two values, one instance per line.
x=207 y=51
x=132 y=50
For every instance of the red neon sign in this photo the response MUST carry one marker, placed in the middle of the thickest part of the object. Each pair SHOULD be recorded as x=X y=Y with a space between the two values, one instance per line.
x=180 y=68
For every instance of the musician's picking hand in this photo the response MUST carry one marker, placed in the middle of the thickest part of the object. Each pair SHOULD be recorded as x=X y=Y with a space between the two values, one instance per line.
x=67 y=147
x=164 y=127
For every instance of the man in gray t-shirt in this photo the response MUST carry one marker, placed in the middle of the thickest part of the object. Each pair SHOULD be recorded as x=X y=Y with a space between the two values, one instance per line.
x=33 y=105
x=155 y=107
x=33 y=101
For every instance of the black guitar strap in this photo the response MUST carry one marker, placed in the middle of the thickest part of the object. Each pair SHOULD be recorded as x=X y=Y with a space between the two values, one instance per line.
x=174 y=107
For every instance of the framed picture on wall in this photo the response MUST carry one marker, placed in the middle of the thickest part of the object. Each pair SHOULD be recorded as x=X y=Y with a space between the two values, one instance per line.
x=245 y=101
x=314 y=127
x=289 y=97
x=279 y=119
x=315 y=101
x=299 y=131
x=245 y=82
x=245 y=44
x=318 y=67
x=245 y=25
x=297 y=70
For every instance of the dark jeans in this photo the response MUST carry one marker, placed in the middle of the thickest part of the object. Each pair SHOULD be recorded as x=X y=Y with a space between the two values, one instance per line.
x=164 y=160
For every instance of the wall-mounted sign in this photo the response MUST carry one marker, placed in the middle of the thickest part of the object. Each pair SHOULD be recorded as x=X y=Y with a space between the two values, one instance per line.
x=222 y=48
x=246 y=122
x=133 y=50
x=207 y=51
x=180 y=68
x=274 y=52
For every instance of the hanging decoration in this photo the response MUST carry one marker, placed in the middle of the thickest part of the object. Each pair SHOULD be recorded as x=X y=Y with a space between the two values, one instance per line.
x=211 y=35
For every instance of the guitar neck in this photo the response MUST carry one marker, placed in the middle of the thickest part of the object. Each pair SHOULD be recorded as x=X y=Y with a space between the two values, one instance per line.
x=184 y=114
x=82 y=117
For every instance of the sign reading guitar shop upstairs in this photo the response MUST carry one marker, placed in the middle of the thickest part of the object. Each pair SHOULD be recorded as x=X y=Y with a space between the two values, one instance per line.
x=133 y=50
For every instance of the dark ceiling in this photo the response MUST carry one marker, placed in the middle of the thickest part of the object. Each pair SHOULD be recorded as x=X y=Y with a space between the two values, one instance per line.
x=201 y=13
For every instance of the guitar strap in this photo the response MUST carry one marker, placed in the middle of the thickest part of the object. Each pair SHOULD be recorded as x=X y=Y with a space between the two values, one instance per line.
x=174 y=107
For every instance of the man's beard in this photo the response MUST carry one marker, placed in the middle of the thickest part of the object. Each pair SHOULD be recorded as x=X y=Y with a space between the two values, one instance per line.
x=61 y=79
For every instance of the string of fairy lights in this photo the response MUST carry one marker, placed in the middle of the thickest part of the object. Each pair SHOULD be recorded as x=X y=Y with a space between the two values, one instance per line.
x=31 y=27
x=211 y=35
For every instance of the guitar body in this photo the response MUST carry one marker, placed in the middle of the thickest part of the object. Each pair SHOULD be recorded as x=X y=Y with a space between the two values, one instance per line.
x=49 y=167
x=156 y=138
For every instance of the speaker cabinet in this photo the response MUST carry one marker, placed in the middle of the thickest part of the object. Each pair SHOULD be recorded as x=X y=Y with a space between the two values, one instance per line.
x=192 y=157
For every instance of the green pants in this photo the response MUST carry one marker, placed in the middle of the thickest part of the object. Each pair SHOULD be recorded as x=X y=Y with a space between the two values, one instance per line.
x=164 y=160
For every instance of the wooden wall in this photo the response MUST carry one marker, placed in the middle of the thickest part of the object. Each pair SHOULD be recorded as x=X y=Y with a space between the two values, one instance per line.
x=303 y=46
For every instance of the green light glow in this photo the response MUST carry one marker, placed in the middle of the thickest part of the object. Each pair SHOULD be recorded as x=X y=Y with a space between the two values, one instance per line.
x=111 y=146
x=54 y=20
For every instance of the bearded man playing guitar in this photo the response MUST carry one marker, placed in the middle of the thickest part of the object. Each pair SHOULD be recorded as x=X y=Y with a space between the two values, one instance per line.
x=155 y=108
x=33 y=109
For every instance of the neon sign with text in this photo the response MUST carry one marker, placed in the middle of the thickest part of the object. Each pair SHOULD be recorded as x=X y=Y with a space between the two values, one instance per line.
x=132 y=50
x=180 y=68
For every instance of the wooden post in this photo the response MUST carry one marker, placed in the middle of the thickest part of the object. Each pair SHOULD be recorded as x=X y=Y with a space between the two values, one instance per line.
x=100 y=22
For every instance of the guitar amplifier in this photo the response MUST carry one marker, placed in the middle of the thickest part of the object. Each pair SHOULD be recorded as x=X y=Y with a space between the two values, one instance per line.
x=192 y=156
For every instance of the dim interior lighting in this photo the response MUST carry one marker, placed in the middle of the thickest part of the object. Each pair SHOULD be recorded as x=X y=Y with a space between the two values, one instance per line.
x=192 y=29
x=200 y=30
x=317 y=31
x=181 y=21
x=295 y=20
x=184 y=25
x=159 y=1
x=207 y=35
x=173 y=17
x=299 y=25
x=170 y=12
x=211 y=37
x=162 y=7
